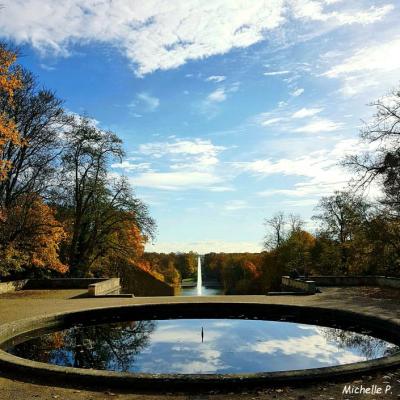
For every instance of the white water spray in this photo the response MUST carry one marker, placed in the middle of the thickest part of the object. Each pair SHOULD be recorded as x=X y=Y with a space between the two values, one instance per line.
x=199 y=278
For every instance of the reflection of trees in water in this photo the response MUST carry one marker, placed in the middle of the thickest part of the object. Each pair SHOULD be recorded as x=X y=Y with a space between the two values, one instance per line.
x=111 y=346
x=365 y=345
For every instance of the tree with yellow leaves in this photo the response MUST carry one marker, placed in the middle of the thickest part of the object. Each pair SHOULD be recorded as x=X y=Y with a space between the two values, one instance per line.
x=9 y=82
x=30 y=238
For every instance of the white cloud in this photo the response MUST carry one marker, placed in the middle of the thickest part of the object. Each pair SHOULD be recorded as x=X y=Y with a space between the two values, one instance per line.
x=234 y=205
x=160 y=35
x=319 y=169
x=332 y=1
x=187 y=164
x=271 y=121
x=149 y=102
x=306 y=112
x=217 y=96
x=273 y=73
x=216 y=78
x=210 y=105
x=370 y=66
x=373 y=14
x=47 y=67
x=313 y=10
x=319 y=125
x=221 y=189
x=180 y=146
x=297 y=92
x=181 y=180
x=130 y=166
x=380 y=57
x=203 y=247
x=304 y=120
x=302 y=203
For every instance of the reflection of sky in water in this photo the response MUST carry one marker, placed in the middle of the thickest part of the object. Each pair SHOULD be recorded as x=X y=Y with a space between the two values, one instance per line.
x=205 y=291
x=230 y=346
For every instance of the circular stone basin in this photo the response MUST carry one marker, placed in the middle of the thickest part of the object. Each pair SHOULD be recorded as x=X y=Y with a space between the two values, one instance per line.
x=197 y=346
x=200 y=346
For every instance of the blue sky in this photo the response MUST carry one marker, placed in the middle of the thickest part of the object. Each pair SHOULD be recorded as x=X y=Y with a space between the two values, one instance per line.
x=229 y=110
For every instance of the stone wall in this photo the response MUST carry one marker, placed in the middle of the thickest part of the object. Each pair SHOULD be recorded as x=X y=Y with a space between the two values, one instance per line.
x=298 y=285
x=53 y=284
x=61 y=283
x=133 y=280
x=140 y=283
x=107 y=286
x=334 y=280
x=12 y=286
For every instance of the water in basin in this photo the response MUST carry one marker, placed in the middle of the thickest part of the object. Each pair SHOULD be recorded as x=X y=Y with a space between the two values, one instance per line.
x=203 y=346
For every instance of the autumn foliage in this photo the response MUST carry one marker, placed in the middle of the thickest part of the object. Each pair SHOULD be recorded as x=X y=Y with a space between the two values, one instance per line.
x=9 y=82
x=59 y=210
x=30 y=237
x=239 y=273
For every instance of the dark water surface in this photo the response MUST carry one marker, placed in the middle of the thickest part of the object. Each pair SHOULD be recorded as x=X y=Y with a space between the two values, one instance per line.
x=176 y=346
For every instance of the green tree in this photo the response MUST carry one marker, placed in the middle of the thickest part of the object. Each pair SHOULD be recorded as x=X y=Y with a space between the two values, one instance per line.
x=296 y=252
x=341 y=218
x=93 y=206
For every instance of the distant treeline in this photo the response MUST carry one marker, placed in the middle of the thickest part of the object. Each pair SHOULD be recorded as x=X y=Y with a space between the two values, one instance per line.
x=352 y=237
x=173 y=267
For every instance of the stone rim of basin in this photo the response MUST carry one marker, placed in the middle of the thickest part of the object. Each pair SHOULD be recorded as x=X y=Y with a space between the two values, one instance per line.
x=146 y=381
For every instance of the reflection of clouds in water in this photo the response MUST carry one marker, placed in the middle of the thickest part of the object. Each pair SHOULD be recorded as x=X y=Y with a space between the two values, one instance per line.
x=313 y=346
x=182 y=336
x=164 y=326
x=206 y=360
x=230 y=346
x=237 y=345
x=188 y=331
x=368 y=346
x=348 y=358
x=179 y=349
x=307 y=327
x=184 y=360
x=223 y=324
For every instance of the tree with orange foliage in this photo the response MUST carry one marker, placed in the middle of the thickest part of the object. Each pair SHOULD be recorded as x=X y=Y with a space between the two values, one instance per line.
x=122 y=244
x=30 y=237
x=9 y=82
x=241 y=272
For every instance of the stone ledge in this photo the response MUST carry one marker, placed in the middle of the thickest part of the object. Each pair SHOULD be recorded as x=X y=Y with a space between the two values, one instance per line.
x=95 y=286
x=12 y=286
x=371 y=280
x=104 y=287
x=299 y=285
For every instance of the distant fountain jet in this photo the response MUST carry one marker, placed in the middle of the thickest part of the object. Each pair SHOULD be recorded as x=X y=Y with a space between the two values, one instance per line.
x=199 y=278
